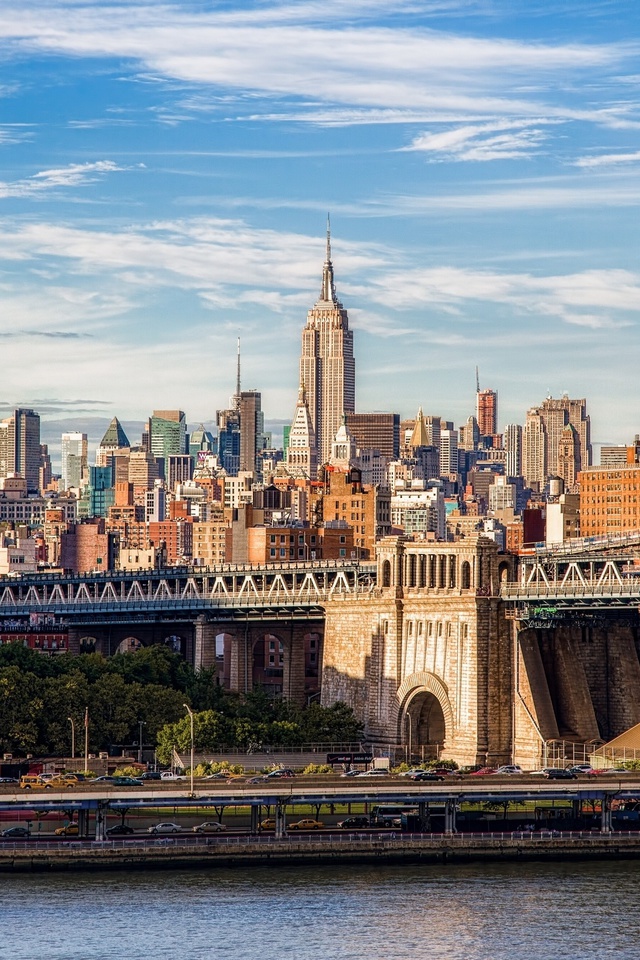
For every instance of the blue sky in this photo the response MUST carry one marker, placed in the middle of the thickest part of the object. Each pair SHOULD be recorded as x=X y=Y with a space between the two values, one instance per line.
x=167 y=170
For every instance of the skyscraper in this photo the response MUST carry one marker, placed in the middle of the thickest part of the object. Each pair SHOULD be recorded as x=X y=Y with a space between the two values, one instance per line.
x=513 y=449
x=74 y=459
x=301 y=454
x=327 y=365
x=487 y=412
x=251 y=428
x=20 y=447
x=167 y=432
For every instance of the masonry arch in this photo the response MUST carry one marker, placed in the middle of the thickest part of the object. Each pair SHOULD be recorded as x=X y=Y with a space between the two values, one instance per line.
x=465 y=575
x=425 y=716
x=129 y=645
x=503 y=572
x=386 y=573
x=90 y=645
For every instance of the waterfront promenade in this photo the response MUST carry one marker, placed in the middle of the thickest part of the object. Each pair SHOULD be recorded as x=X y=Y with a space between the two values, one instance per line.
x=189 y=852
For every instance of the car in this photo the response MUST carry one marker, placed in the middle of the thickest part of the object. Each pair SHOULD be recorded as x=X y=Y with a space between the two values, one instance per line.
x=559 y=773
x=510 y=769
x=412 y=772
x=221 y=775
x=104 y=779
x=127 y=782
x=59 y=783
x=351 y=773
x=209 y=826
x=260 y=779
x=8 y=780
x=150 y=775
x=268 y=824
x=584 y=768
x=280 y=775
x=353 y=823
x=306 y=824
x=427 y=775
x=374 y=773
x=165 y=828
x=15 y=832
x=120 y=830
x=70 y=830
x=31 y=781
x=167 y=775
x=483 y=771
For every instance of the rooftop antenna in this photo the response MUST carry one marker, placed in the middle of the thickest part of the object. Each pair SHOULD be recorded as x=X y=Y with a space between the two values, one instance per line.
x=237 y=395
x=477 y=381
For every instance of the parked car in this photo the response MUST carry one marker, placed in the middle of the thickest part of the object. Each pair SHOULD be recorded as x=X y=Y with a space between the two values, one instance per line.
x=306 y=824
x=15 y=832
x=120 y=830
x=70 y=830
x=165 y=828
x=209 y=826
x=353 y=823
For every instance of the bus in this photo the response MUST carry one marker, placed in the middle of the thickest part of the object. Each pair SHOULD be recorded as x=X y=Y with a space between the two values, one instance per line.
x=390 y=815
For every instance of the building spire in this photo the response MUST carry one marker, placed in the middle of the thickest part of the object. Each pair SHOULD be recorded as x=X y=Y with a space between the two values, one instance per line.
x=328 y=291
x=237 y=393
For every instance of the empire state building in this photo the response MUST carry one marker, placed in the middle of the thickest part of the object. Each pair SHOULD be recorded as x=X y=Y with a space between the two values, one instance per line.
x=327 y=366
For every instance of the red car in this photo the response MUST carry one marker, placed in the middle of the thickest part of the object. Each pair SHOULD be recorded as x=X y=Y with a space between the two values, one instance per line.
x=483 y=771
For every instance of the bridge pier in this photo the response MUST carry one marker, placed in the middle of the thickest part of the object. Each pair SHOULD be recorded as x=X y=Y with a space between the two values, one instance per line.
x=240 y=667
x=204 y=644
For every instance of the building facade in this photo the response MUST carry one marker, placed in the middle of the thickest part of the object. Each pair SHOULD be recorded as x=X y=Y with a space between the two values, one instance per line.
x=327 y=365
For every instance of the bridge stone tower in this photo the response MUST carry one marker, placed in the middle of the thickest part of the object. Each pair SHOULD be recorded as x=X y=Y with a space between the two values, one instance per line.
x=424 y=659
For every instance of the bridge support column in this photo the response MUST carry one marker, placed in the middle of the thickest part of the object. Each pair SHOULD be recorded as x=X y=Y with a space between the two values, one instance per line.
x=204 y=646
x=450 y=816
x=101 y=820
x=255 y=820
x=281 y=822
x=240 y=673
x=294 y=666
x=605 y=814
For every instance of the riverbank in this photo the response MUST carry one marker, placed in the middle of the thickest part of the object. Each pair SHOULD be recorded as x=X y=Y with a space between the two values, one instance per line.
x=229 y=853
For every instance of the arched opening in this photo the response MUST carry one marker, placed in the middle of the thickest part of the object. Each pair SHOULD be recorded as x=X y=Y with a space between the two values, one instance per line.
x=175 y=643
x=88 y=645
x=411 y=570
x=503 y=572
x=465 y=575
x=128 y=645
x=267 y=664
x=452 y=571
x=425 y=727
x=386 y=573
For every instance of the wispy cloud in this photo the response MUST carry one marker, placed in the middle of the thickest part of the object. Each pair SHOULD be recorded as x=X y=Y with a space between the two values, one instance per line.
x=609 y=159
x=73 y=175
x=489 y=141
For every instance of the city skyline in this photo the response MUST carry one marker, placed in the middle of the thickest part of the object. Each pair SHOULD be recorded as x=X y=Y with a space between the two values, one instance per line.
x=166 y=185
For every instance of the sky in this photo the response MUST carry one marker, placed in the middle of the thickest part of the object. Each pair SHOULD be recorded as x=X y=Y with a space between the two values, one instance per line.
x=167 y=170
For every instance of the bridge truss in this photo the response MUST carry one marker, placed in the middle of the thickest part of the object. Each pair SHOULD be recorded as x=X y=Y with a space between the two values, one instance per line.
x=269 y=591
x=591 y=579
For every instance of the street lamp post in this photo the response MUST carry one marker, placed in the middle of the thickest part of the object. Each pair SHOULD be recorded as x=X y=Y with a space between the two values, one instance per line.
x=86 y=739
x=73 y=738
x=190 y=712
x=141 y=724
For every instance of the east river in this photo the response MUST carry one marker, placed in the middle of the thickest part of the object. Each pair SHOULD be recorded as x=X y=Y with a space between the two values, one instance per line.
x=481 y=912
